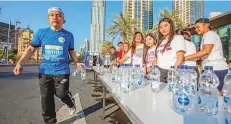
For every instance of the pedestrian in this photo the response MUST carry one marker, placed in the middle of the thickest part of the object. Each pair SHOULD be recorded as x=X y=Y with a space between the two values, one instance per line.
x=151 y=42
x=54 y=70
x=170 y=49
x=211 y=51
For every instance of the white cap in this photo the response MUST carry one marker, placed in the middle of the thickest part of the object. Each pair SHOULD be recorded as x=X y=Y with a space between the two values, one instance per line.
x=55 y=9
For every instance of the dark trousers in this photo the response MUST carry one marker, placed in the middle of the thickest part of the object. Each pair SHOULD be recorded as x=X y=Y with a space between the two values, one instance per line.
x=163 y=75
x=221 y=75
x=51 y=85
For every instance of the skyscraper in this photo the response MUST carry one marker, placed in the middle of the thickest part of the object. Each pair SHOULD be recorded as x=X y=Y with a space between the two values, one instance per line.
x=189 y=11
x=142 y=10
x=97 y=25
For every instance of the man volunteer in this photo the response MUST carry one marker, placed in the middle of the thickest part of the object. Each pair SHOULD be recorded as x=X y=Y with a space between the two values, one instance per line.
x=54 y=69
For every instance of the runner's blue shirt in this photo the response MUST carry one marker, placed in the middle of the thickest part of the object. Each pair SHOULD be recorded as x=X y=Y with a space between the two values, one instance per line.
x=55 y=50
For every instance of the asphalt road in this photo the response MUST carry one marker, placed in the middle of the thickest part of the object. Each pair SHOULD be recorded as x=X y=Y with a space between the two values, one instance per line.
x=20 y=98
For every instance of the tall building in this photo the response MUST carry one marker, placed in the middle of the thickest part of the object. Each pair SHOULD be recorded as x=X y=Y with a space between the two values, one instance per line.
x=142 y=10
x=189 y=11
x=24 y=40
x=97 y=25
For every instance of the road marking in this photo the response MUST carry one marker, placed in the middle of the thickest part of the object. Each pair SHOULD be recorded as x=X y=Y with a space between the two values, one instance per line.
x=63 y=116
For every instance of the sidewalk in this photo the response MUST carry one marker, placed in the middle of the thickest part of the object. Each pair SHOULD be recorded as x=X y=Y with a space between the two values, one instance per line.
x=89 y=106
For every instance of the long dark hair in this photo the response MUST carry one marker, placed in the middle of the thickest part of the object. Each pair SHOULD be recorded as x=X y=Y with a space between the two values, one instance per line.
x=171 y=34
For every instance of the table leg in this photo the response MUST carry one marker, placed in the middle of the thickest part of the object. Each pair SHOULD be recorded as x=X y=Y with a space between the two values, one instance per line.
x=94 y=76
x=104 y=100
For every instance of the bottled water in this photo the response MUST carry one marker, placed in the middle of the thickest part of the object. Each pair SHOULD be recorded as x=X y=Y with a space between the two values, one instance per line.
x=171 y=79
x=124 y=85
x=193 y=80
x=119 y=74
x=138 y=76
x=150 y=77
x=182 y=99
x=208 y=92
x=114 y=73
x=155 y=84
x=107 y=61
x=227 y=96
x=76 y=72
x=83 y=73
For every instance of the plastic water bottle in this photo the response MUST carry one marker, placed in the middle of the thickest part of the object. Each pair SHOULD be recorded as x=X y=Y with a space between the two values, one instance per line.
x=83 y=73
x=124 y=85
x=76 y=72
x=155 y=84
x=150 y=77
x=138 y=76
x=171 y=79
x=182 y=98
x=114 y=73
x=208 y=92
x=107 y=61
x=193 y=80
x=227 y=96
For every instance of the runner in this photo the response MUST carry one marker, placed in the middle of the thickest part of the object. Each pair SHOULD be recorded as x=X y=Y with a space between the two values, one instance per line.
x=54 y=70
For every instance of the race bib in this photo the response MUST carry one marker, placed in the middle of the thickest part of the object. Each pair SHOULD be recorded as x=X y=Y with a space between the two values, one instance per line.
x=53 y=52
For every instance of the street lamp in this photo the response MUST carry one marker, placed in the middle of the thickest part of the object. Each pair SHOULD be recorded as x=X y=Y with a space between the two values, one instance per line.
x=15 y=36
x=8 y=40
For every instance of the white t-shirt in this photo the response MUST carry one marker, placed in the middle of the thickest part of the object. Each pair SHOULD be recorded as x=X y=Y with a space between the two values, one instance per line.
x=216 y=57
x=137 y=57
x=190 y=49
x=150 y=57
x=168 y=57
x=129 y=60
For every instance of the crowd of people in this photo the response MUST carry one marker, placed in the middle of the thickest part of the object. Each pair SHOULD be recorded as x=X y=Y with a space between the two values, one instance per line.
x=170 y=47
x=167 y=48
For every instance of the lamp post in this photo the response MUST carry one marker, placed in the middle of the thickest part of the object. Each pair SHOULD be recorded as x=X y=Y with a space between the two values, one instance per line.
x=15 y=36
x=8 y=40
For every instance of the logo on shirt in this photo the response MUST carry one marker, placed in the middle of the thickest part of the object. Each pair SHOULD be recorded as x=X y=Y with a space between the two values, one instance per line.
x=61 y=39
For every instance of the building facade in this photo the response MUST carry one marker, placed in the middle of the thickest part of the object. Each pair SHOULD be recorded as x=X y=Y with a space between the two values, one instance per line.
x=142 y=10
x=189 y=11
x=25 y=37
x=97 y=25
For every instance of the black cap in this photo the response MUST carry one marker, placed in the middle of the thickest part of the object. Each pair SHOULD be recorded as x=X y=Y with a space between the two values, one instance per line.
x=204 y=20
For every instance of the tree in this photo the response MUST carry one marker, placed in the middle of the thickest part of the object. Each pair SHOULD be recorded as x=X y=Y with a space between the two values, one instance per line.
x=179 y=24
x=121 y=25
x=106 y=47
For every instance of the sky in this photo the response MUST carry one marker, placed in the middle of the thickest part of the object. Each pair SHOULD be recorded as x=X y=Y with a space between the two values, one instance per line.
x=78 y=14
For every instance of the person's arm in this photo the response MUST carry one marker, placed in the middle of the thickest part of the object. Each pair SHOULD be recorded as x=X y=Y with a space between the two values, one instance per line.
x=207 y=48
x=73 y=54
x=125 y=58
x=75 y=58
x=180 y=58
x=25 y=57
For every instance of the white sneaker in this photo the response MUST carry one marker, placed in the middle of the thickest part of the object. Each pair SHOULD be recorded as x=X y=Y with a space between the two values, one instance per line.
x=72 y=110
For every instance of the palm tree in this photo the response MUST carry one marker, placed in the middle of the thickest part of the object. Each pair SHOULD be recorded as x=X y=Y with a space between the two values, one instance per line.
x=106 y=47
x=174 y=17
x=121 y=25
